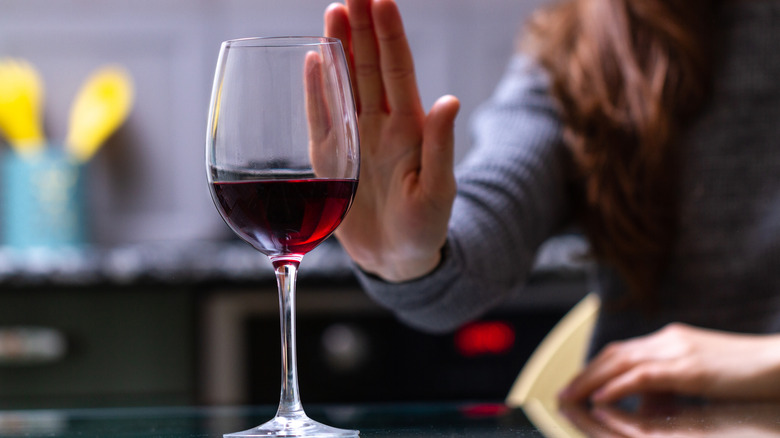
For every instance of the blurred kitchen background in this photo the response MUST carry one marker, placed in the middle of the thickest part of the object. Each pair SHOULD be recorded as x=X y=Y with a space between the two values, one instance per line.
x=163 y=305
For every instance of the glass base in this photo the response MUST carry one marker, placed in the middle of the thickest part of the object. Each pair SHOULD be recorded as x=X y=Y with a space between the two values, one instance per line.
x=300 y=426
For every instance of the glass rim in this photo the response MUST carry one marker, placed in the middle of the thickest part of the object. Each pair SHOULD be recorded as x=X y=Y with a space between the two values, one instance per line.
x=280 y=41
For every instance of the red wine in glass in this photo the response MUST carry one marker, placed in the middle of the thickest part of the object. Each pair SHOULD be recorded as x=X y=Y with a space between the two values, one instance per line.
x=284 y=216
x=283 y=161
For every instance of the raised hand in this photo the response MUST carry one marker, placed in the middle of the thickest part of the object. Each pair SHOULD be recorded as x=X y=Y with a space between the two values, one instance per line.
x=398 y=222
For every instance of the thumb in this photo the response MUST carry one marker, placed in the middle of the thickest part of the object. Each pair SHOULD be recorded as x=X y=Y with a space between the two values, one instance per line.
x=438 y=153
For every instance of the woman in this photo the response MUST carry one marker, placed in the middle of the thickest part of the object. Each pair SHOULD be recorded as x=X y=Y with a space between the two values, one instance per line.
x=652 y=123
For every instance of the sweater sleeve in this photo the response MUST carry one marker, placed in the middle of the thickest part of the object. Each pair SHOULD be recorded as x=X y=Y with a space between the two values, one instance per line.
x=511 y=197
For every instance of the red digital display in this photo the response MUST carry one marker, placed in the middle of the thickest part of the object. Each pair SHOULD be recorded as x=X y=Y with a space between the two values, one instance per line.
x=485 y=338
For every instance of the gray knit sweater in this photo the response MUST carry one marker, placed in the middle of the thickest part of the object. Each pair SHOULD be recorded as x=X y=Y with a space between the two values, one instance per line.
x=725 y=269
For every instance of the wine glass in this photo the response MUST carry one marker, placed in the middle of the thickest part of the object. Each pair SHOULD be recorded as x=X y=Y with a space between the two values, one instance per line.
x=283 y=160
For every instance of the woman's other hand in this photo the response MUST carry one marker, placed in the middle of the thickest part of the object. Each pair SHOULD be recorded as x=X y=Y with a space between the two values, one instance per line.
x=398 y=222
x=683 y=360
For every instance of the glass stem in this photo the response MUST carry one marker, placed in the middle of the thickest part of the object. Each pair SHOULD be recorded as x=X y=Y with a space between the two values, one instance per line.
x=286 y=277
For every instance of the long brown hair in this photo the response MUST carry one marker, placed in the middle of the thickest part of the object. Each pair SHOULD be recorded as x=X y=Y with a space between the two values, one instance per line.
x=629 y=75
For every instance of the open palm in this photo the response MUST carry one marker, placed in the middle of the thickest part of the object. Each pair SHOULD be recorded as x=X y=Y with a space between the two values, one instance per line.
x=398 y=222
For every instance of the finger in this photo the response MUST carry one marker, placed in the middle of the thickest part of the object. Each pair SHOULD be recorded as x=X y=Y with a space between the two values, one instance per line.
x=366 y=56
x=646 y=377
x=317 y=112
x=337 y=26
x=615 y=359
x=437 y=158
x=396 y=61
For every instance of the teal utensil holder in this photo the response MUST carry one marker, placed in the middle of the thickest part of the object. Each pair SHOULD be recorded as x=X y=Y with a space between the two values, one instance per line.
x=42 y=200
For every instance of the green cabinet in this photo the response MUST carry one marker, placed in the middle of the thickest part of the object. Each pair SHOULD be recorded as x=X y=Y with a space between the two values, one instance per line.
x=123 y=346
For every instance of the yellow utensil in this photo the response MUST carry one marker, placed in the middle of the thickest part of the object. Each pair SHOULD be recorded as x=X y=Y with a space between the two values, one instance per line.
x=21 y=95
x=101 y=106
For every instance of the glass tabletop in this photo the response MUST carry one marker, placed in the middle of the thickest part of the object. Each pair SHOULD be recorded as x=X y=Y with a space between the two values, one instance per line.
x=430 y=420
x=396 y=420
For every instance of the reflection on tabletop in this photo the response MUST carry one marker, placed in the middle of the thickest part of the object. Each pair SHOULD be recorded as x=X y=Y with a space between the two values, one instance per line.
x=658 y=417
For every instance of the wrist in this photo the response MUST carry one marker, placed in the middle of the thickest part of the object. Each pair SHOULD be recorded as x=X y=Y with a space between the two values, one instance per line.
x=402 y=269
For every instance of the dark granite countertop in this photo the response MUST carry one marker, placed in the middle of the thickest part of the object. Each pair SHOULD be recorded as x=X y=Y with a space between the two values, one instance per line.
x=225 y=262
x=184 y=263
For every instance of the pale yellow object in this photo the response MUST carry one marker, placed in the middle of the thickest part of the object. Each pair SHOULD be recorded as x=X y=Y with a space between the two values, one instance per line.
x=557 y=359
x=101 y=106
x=21 y=97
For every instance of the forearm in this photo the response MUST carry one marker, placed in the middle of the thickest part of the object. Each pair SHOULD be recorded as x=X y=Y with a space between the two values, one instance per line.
x=440 y=301
x=757 y=372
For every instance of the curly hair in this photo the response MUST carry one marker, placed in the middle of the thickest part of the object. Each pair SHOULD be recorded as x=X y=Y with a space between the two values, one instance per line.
x=628 y=75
